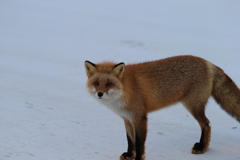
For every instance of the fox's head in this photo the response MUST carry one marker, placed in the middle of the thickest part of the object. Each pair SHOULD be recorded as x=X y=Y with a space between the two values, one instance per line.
x=104 y=80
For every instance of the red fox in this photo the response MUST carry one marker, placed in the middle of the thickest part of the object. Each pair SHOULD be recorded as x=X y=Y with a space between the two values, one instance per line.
x=134 y=90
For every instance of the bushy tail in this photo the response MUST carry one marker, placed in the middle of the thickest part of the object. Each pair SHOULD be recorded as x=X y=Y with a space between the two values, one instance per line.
x=226 y=93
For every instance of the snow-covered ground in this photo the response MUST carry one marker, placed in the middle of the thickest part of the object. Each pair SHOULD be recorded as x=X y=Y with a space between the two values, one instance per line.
x=45 y=110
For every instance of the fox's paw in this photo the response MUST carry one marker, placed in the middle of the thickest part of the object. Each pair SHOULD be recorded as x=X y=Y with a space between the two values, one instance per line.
x=198 y=148
x=127 y=156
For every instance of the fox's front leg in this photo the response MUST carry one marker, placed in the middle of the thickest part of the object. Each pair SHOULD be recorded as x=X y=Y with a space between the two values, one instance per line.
x=140 y=136
x=130 y=154
x=136 y=135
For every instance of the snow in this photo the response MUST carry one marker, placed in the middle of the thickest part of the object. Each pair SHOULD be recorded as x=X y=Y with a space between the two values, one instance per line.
x=45 y=109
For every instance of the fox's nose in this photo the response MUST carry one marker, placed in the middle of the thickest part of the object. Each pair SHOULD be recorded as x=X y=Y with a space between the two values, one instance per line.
x=100 y=94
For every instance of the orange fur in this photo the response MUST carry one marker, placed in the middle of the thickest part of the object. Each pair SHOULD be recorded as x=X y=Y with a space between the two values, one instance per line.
x=134 y=90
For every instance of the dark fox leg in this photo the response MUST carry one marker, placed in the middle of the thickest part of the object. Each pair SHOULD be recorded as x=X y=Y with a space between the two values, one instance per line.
x=130 y=154
x=197 y=109
x=199 y=114
x=202 y=146
x=136 y=135
x=195 y=102
x=141 y=134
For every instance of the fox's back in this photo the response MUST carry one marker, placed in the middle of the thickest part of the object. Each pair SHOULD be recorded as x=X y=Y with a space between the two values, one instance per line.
x=166 y=81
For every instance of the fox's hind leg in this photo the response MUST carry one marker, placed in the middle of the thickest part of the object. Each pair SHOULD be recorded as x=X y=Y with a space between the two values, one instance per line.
x=202 y=145
x=195 y=101
x=197 y=109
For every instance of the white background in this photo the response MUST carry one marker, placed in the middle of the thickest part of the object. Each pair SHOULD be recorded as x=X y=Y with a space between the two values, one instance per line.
x=46 y=112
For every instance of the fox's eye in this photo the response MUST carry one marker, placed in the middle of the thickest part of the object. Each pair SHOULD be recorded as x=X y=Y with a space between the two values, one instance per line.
x=96 y=83
x=109 y=84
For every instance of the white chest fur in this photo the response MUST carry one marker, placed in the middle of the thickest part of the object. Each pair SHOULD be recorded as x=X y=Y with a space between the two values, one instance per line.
x=118 y=106
x=113 y=100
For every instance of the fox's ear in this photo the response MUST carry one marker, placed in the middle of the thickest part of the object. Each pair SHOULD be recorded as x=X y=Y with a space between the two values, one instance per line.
x=90 y=68
x=118 y=70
